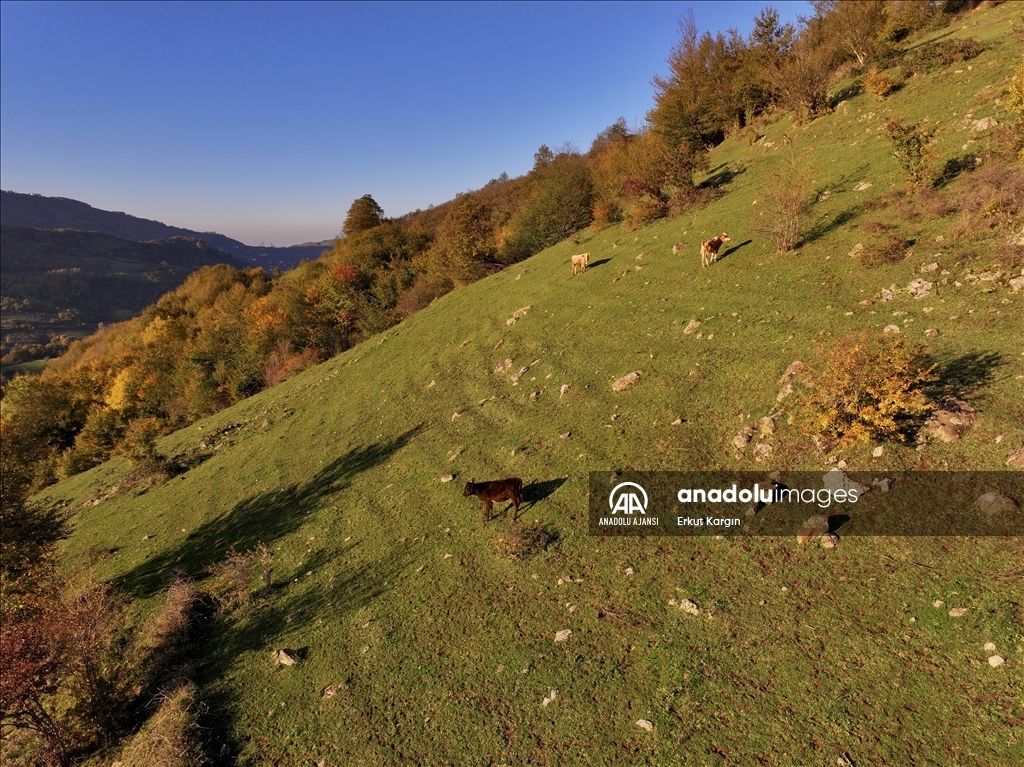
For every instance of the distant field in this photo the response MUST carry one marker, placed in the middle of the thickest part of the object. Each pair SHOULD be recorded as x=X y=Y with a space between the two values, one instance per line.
x=35 y=366
x=422 y=643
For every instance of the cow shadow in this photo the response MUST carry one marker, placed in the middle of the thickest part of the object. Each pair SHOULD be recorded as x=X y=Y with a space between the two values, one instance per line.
x=536 y=492
x=725 y=254
x=601 y=262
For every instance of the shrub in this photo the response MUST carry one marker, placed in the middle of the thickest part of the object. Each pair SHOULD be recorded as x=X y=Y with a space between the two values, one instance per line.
x=783 y=208
x=172 y=736
x=879 y=84
x=643 y=211
x=524 y=541
x=887 y=250
x=927 y=58
x=866 y=387
x=910 y=147
x=231 y=584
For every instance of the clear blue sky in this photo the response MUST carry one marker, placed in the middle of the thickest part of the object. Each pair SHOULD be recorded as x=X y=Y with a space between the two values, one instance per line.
x=264 y=121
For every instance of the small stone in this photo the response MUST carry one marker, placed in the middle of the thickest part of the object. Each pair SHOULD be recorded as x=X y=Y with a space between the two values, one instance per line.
x=815 y=527
x=626 y=381
x=763 y=451
x=551 y=697
x=741 y=440
x=285 y=657
x=677 y=422
x=932 y=332
x=691 y=326
x=996 y=661
x=688 y=607
x=784 y=392
x=1016 y=458
x=929 y=268
x=628 y=571
x=983 y=124
x=564 y=390
x=990 y=647
x=767 y=425
x=877 y=452
x=862 y=186
x=883 y=484
x=645 y=724
x=993 y=504
x=447 y=477
x=534 y=395
x=957 y=612
x=561 y=636
x=938 y=603
x=829 y=541
x=565 y=434
x=891 y=330
x=951 y=420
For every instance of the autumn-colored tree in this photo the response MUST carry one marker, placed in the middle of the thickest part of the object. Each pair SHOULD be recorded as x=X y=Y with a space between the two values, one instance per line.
x=464 y=242
x=364 y=214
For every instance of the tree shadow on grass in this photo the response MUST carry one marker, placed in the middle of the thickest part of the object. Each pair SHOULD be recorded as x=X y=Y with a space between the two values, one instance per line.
x=265 y=518
x=826 y=225
x=719 y=178
x=272 y=621
x=964 y=375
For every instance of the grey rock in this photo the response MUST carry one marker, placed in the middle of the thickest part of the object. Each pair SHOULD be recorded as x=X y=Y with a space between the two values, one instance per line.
x=691 y=326
x=741 y=440
x=815 y=527
x=626 y=381
x=993 y=504
x=951 y=420
x=1016 y=458
x=920 y=288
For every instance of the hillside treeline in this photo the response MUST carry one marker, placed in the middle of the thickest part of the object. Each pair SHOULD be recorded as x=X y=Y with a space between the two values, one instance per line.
x=225 y=334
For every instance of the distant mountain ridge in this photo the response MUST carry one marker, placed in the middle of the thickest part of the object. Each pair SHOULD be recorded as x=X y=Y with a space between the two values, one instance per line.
x=40 y=212
x=62 y=282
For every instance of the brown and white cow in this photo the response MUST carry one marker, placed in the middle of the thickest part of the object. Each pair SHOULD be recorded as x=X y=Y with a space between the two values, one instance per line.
x=581 y=261
x=709 y=248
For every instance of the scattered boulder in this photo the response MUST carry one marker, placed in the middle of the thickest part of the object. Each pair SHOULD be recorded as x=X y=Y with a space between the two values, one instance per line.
x=784 y=392
x=1016 y=458
x=1017 y=284
x=862 y=186
x=929 y=268
x=794 y=369
x=691 y=326
x=951 y=420
x=678 y=248
x=813 y=529
x=534 y=395
x=763 y=451
x=517 y=315
x=501 y=367
x=877 y=452
x=626 y=381
x=883 y=484
x=286 y=657
x=829 y=541
x=857 y=250
x=995 y=661
x=957 y=612
x=447 y=477
x=741 y=440
x=990 y=647
x=550 y=698
x=514 y=378
x=932 y=332
x=993 y=504
x=920 y=288
x=891 y=330
x=561 y=636
x=984 y=124
x=889 y=293
x=766 y=425
x=836 y=479
x=688 y=607
x=645 y=724
x=564 y=390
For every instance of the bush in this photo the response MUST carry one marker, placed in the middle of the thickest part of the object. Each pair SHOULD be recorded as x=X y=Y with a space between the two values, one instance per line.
x=643 y=211
x=524 y=541
x=866 y=387
x=910 y=147
x=783 y=208
x=232 y=582
x=927 y=58
x=879 y=84
x=887 y=250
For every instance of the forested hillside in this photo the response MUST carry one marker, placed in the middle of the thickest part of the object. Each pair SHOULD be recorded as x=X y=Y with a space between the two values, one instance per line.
x=279 y=556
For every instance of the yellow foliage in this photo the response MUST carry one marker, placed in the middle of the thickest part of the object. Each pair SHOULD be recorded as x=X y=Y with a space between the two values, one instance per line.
x=866 y=387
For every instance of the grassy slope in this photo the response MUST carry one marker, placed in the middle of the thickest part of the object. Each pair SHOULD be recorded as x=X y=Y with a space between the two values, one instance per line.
x=801 y=654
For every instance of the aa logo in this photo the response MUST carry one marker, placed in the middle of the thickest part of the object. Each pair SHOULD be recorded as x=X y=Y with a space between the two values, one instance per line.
x=625 y=500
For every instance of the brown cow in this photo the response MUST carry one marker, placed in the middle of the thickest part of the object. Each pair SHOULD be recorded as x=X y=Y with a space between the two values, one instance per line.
x=499 y=490
x=709 y=248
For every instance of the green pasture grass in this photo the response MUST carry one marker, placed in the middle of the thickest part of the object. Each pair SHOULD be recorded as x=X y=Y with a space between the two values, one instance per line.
x=32 y=367
x=390 y=587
